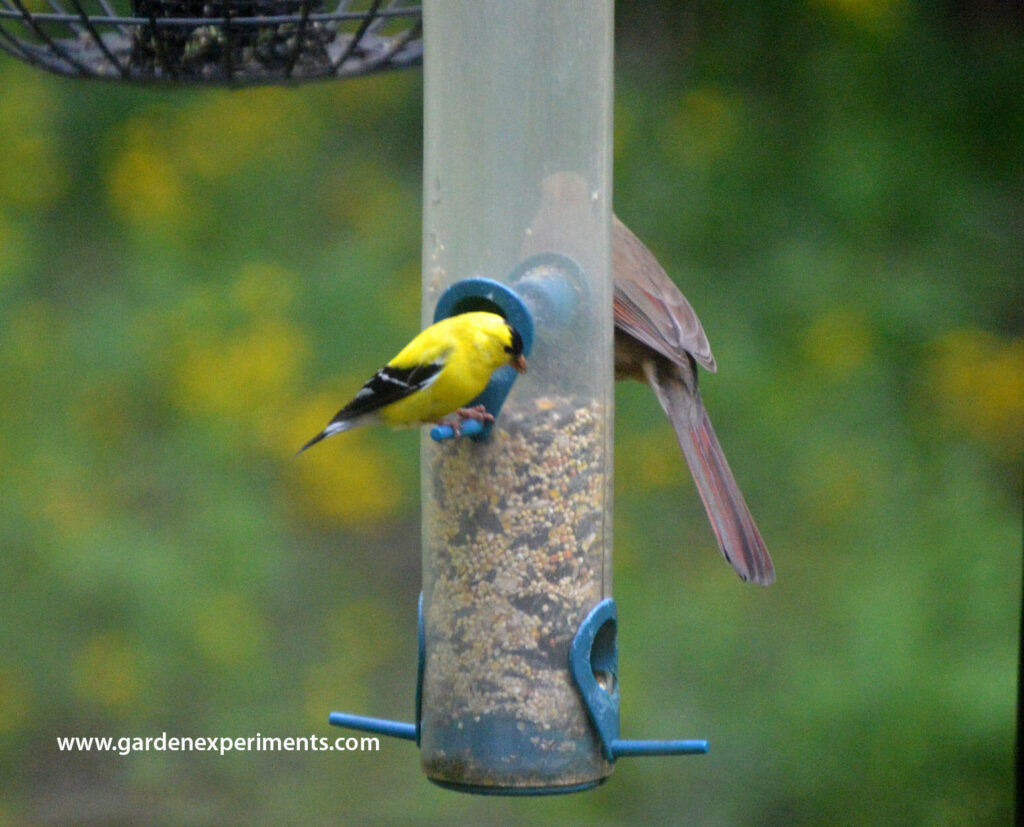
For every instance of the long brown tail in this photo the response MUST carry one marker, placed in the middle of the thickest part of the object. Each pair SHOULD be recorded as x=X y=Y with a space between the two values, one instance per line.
x=734 y=527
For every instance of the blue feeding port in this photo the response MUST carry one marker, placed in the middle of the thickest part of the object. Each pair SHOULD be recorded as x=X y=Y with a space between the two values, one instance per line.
x=545 y=292
x=471 y=295
x=594 y=663
x=553 y=286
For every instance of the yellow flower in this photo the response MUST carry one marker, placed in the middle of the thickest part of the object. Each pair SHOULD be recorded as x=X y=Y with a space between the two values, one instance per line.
x=239 y=375
x=705 y=126
x=347 y=481
x=13 y=249
x=838 y=481
x=33 y=174
x=228 y=629
x=107 y=671
x=264 y=289
x=15 y=700
x=882 y=16
x=143 y=183
x=838 y=342
x=225 y=131
x=650 y=461
x=977 y=384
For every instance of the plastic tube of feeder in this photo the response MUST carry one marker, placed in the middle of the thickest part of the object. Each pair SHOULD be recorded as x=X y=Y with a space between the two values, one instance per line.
x=517 y=528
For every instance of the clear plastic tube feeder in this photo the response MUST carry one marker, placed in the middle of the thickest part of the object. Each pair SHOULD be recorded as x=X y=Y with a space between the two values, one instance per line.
x=517 y=525
x=517 y=689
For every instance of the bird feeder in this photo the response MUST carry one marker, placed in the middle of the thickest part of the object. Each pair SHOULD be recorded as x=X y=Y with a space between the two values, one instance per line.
x=212 y=42
x=517 y=683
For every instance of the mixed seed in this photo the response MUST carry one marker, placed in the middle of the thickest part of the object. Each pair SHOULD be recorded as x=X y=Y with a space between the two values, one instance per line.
x=514 y=560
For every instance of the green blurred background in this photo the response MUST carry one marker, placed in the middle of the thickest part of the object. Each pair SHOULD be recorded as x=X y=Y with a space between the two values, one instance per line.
x=191 y=282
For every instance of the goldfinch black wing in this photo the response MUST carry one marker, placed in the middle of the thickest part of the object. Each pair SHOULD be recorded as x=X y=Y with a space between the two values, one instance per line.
x=388 y=385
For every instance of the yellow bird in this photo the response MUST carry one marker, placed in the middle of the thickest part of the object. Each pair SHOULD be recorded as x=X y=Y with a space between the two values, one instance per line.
x=436 y=374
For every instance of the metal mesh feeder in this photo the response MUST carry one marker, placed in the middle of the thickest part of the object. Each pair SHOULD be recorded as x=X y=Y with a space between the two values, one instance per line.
x=217 y=42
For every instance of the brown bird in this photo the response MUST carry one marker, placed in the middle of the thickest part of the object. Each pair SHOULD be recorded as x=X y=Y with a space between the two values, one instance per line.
x=659 y=340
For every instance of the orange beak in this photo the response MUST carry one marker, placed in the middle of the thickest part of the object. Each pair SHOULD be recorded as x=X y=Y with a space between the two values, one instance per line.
x=519 y=363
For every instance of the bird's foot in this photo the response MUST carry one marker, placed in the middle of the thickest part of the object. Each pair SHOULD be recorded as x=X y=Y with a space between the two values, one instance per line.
x=477 y=412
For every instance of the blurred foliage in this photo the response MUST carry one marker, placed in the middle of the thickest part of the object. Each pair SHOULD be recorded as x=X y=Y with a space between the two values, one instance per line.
x=190 y=280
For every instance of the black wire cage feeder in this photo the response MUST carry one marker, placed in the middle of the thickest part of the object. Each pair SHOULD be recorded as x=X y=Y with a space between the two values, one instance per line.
x=215 y=42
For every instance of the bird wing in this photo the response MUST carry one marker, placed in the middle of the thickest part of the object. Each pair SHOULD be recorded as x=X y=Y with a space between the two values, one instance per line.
x=649 y=306
x=389 y=385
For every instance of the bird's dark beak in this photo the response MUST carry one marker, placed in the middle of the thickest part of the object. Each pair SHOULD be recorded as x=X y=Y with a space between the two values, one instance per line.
x=519 y=363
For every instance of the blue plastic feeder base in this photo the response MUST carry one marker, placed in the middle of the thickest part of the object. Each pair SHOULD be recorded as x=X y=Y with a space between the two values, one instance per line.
x=524 y=791
x=502 y=755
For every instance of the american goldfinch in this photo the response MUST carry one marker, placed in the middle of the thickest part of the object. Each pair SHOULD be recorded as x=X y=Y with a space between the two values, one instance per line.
x=659 y=340
x=436 y=374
